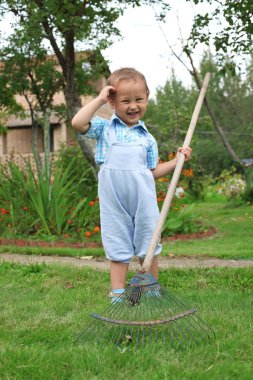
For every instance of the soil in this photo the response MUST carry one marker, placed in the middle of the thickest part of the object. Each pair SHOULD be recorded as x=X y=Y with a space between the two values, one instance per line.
x=103 y=264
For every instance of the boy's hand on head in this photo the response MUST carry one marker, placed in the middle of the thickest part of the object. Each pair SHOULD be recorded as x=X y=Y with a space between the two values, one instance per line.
x=186 y=151
x=105 y=92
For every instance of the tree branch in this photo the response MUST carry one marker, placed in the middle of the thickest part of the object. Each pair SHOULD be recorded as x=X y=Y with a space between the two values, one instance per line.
x=50 y=36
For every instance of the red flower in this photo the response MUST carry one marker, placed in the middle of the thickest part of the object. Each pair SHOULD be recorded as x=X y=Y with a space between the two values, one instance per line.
x=92 y=203
x=87 y=234
x=4 y=211
x=69 y=221
x=97 y=229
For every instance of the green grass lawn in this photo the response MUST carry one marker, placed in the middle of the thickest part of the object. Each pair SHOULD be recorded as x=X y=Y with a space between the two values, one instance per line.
x=43 y=308
x=234 y=239
x=64 y=251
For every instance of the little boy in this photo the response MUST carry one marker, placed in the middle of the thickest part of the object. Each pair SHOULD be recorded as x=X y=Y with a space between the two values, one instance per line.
x=128 y=158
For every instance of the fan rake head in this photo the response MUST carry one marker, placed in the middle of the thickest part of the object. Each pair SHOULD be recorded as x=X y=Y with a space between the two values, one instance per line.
x=146 y=313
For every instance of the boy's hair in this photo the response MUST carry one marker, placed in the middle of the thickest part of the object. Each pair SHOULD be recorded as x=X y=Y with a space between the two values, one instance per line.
x=126 y=73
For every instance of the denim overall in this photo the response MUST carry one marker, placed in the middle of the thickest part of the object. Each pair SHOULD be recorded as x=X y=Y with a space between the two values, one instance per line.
x=128 y=203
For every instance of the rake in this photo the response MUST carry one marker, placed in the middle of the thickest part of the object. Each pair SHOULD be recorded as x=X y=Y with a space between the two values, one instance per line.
x=146 y=312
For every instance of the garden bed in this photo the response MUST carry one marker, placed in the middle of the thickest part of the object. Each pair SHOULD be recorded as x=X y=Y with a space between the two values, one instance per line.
x=63 y=244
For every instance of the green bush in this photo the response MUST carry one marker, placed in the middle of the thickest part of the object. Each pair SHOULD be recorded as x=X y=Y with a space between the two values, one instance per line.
x=53 y=203
x=248 y=194
x=230 y=184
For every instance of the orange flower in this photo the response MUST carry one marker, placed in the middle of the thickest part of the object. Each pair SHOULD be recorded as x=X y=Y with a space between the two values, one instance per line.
x=69 y=221
x=188 y=172
x=171 y=156
x=66 y=236
x=163 y=179
x=92 y=203
x=97 y=229
x=87 y=234
x=191 y=174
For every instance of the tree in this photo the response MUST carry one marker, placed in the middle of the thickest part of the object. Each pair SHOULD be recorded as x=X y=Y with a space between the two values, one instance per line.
x=187 y=49
x=169 y=114
x=26 y=70
x=64 y=24
x=230 y=98
x=8 y=105
x=229 y=26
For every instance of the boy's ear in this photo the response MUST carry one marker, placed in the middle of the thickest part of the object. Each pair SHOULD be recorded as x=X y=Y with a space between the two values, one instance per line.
x=111 y=101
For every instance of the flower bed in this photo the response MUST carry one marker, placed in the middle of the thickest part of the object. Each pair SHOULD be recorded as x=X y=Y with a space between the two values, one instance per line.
x=62 y=244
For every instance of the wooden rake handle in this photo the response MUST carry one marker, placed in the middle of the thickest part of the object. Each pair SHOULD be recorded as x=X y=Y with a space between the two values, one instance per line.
x=173 y=183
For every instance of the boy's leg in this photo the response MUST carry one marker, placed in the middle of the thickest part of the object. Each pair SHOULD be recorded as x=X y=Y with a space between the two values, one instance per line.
x=154 y=267
x=118 y=273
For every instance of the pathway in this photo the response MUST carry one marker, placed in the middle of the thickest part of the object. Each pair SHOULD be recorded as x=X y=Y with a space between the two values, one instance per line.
x=102 y=264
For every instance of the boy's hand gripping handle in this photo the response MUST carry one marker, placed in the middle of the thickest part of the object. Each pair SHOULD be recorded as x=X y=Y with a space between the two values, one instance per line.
x=173 y=183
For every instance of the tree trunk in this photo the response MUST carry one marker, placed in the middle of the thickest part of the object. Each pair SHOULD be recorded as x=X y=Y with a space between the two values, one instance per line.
x=46 y=140
x=67 y=63
x=34 y=133
x=72 y=99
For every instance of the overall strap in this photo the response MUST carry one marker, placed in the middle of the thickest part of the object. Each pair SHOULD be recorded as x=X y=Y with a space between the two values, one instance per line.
x=112 y=134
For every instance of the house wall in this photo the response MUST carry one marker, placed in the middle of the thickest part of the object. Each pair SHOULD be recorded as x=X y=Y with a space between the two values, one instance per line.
x=1 y=145
x=60 y=136
x=19 y=141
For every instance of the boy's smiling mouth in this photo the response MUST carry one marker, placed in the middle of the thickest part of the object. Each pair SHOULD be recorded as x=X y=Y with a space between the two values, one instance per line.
x=132 y=113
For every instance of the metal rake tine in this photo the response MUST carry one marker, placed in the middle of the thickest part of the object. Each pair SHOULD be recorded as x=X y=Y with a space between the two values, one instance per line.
x=146 y=313
x=188 y=333
x=92 y=335
x=134 y=317
x=138 y=335
x=193 y=319
x=171 y=340
x=78 y=338
x=189 y=320
x=176 y=336
x=106 y=330
x=82 y=337
x=206 y=325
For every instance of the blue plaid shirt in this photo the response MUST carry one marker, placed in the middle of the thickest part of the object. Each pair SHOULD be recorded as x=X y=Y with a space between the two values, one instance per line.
x=99 y=130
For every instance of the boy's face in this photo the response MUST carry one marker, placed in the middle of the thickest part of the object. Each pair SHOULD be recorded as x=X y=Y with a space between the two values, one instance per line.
x=129 y=100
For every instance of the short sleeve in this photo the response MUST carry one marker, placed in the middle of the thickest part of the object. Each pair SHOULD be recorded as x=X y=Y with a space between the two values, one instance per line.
x=97 y=125
x=152 y=154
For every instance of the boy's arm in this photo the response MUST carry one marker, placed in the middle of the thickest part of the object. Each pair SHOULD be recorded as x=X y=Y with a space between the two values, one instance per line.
x=81 y=120
x=164 y=168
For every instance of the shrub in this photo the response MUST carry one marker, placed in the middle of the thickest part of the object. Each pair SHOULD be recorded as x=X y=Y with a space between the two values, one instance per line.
x=248 y=194
x=50 y=203
x=230 y=184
